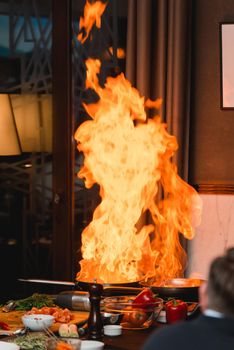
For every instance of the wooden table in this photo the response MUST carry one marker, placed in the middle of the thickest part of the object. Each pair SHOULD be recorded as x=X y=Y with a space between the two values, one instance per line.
x=129 y=340
x=133 y=340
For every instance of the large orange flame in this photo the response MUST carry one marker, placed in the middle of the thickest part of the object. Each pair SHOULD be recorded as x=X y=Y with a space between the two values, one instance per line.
x=129 y=156
x=92 y=15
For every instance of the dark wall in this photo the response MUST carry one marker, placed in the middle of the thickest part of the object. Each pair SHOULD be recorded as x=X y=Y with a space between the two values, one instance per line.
x=212 y=129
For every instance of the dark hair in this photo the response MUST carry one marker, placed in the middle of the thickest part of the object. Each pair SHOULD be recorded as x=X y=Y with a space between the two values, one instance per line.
x=221 y=283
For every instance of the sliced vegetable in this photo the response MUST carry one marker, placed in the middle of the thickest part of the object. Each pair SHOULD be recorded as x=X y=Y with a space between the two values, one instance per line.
x=59 y=314
x=32 y=342
x=70 y=330
x=64 y=330
x=73 y=331
x=35 y=300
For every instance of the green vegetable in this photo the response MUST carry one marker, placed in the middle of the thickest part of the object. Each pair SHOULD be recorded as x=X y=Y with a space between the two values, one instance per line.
x=32 y=342
x=35 y=300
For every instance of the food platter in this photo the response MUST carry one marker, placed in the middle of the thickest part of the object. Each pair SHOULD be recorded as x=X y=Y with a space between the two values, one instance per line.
x=13 y=319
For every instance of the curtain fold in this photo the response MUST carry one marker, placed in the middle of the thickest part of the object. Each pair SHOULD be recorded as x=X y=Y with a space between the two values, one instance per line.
x=158 y=63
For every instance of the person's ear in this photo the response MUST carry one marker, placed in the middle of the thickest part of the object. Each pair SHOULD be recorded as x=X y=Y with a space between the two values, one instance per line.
x=203 y=296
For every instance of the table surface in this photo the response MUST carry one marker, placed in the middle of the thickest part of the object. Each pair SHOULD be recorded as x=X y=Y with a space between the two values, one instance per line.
x=133 y=340
x=128 y=339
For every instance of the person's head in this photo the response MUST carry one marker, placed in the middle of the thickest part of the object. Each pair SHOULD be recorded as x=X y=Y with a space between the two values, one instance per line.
x=218 y=292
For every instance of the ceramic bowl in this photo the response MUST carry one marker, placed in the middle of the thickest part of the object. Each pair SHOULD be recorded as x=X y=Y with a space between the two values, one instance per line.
x=135 y=316
x=8 y=346
x=112 y=330
x=91 y=345
x=37 y=322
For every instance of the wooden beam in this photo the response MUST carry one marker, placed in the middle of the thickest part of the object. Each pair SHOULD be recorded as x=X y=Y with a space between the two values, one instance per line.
x=63 y=198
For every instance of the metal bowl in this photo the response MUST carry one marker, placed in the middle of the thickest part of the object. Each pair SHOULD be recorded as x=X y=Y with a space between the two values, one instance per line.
x=181 y=288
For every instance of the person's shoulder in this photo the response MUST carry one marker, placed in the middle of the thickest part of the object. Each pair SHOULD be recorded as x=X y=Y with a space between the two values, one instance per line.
x=165 y=337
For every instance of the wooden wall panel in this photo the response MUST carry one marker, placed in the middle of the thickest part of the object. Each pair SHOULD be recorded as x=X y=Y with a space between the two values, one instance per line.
x=212 y=129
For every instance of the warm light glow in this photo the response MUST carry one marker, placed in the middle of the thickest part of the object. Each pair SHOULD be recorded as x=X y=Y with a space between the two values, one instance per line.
x=33 y=116
x=28 y=165
x=9 y=141
x=92 y=16
x=129 y=156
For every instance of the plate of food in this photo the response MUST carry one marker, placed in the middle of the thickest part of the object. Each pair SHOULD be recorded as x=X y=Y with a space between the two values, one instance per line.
x=38 y=304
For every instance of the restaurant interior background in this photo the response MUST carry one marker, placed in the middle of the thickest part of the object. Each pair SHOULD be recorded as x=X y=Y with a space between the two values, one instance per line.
x=169 y=49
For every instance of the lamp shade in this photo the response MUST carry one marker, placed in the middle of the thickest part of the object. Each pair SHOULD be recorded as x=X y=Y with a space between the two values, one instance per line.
x=9 y=140
x=33 y=117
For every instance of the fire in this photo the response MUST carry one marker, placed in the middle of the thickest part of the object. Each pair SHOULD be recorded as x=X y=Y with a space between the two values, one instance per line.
x=129 y=156
x=92 y=15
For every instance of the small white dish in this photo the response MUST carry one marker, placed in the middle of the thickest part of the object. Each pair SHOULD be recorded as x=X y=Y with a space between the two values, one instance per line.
x=8 y=346
x=37 y=322
x=112 y=330
x=162 y=317
x=91 y=345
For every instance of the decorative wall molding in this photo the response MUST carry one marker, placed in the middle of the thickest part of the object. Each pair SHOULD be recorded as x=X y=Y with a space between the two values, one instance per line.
x=215 y=188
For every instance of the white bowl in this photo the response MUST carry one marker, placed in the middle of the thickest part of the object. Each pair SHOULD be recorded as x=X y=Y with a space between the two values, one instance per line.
x=112 y=330
x=37 y=322
x=91 y=345
x=8 y=346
